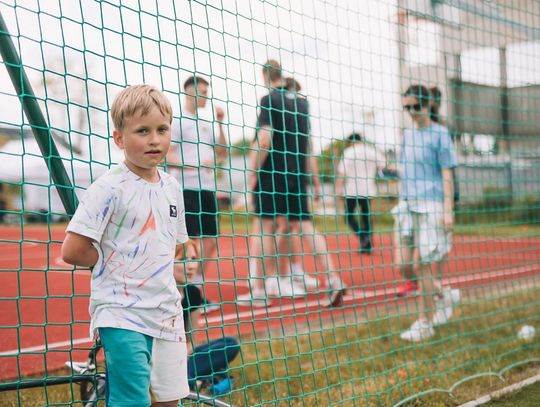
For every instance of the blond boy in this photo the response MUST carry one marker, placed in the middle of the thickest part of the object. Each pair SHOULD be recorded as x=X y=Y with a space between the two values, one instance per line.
x=127 y=228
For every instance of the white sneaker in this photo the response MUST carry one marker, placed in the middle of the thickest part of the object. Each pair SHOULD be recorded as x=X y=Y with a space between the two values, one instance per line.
x=256 y=298
x=418 y=331
x=299 y=275
x=288 y=287
x=444 y=307
x=303 y=279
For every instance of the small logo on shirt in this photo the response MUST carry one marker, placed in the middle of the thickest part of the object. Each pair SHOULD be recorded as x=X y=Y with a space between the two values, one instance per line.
x=173 y=213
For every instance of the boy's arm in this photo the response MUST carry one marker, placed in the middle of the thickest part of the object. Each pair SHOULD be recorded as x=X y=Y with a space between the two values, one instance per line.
x=79 y=250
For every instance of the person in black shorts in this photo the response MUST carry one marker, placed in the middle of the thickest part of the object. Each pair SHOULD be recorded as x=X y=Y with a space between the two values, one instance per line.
x=197 y=146
x=280 y=177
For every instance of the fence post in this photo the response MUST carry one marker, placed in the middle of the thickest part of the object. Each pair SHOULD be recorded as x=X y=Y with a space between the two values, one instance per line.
x=37 y=121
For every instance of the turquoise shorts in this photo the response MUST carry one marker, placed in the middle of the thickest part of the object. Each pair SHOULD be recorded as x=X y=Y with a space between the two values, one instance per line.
x=137 y=363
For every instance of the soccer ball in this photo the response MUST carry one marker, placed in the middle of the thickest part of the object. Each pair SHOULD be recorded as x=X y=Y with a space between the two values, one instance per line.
x=526 y=333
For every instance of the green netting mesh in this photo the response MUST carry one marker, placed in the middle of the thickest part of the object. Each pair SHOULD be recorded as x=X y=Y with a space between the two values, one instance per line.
x=357 y=174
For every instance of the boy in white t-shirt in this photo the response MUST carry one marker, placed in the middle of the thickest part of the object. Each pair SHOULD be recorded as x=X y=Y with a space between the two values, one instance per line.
x=127 y=227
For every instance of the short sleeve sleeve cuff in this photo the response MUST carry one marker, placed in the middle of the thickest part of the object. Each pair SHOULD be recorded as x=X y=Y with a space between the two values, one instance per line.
x=94 y=211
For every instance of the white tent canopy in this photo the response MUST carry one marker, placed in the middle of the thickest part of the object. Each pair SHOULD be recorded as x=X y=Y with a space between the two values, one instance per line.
x=21 y=162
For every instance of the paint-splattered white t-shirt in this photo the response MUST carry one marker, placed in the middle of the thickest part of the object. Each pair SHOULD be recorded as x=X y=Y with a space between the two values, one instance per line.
x=136 y=225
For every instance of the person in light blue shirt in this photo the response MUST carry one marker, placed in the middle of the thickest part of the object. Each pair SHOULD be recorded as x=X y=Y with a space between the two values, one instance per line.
x=424 y=215
x=425 y=153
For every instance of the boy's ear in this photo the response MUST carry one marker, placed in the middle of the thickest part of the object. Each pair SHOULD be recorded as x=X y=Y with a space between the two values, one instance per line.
x=118 y=138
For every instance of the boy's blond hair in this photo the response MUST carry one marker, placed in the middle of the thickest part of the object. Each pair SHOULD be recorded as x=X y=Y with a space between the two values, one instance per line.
x=138 y=99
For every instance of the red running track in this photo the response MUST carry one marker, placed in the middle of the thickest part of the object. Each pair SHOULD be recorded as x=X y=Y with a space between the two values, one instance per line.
x=44 y=304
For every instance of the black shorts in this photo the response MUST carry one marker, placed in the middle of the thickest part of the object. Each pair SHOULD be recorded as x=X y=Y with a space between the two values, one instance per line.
x=201 y=213
x=293 y=205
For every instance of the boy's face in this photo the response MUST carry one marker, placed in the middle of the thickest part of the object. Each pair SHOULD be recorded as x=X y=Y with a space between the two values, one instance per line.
x=199 y=93
x=145 y=141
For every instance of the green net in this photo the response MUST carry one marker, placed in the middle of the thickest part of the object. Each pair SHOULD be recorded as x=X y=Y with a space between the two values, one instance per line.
x=330 y=279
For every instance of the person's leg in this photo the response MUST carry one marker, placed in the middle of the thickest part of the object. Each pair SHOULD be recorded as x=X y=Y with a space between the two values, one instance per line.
x=403 y=248
x=208 y=231
x=436 y=245
x=285 y=232
x=350 y=215
x=209 y=219
x=317 y=245
x=192 y=204
x=365 y=221
x=262 y=266
x=127 y=351
x=266 y=268
x=299 y=275
x=254 y=248
x=404 y=256
x=428 y=289
x=295 y=260
x=434 y=305
x=408 y=258
x=319 y=248
x=268 y=203
x=269 y=248
x=256 y=279
x=422 y=328
x=169 y=378
x=405 y=262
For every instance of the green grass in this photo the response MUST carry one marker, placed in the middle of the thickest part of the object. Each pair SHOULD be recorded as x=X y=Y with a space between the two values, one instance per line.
x=358 y=358
x=361 y=360
x=526 y=397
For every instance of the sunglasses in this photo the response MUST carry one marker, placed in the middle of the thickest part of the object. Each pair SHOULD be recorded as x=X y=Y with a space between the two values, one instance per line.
x=416 y=107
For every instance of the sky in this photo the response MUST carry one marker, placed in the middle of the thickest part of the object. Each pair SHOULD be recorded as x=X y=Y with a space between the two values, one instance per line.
x=344 y=57
x=343 y=52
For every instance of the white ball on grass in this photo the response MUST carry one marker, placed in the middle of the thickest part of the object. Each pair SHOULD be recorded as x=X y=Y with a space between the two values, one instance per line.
x=527 y=333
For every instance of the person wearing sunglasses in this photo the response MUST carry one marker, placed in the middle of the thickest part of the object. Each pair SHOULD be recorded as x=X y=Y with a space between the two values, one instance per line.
x=424 y=214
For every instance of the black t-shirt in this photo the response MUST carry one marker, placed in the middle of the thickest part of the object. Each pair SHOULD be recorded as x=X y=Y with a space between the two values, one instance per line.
x=287 y=114
x=191 y=301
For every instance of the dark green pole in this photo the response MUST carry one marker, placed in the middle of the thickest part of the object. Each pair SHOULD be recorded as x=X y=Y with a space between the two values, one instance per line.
x=36 y=119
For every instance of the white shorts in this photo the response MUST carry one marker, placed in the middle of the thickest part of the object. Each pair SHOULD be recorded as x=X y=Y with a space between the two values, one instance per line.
x=169 y=381
x=423 y=231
